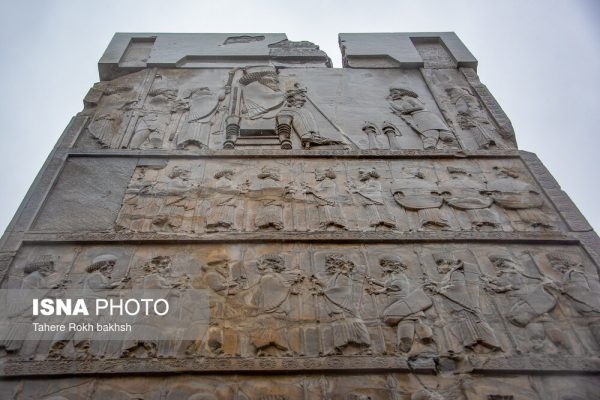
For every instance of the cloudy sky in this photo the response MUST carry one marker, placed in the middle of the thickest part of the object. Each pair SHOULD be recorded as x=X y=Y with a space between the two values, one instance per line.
x=541 y=59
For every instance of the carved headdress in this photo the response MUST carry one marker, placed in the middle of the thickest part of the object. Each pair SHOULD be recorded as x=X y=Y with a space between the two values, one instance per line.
x=398 y=93
x=101 y=261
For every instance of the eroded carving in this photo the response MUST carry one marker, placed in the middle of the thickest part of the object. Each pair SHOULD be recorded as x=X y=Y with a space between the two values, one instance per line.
x=434 y=133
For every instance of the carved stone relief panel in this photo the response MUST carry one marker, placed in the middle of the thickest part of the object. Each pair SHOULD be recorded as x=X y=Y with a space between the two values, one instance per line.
x=198 y=109
x=307 y=386
x=300 y=300
x=390 y=386
x=465 y=111
x=266 y=107
x=202 y=197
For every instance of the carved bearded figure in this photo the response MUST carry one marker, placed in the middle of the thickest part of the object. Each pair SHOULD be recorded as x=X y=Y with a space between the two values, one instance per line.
x=220 y=215
x=434 y=132
x=529 y=300
x=327 y=199
x=579 y=287
x=406 y=304
x=269 y=334
x=415 y=193
x=467 y=193
x=341 y=291
x=513 y=194
x=269 y=190
x=459 y=292
x=370 y=195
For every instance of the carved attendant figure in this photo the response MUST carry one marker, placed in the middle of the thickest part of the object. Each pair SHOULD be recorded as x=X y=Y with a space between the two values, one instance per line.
x=269 y=334
x=582 y=290
x=471 y=117
x=414 y=192
x=327 y=200
x=459 y=291
x=406 y=304
x=269 y=214
x=220 y=215
x=433 y=131
x=467 y=194
x=529 y=300
x=369 y=194
x=513 y=194
x=341 y=292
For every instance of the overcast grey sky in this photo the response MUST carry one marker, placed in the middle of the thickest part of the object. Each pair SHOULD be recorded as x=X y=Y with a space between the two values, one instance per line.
x=540 y=59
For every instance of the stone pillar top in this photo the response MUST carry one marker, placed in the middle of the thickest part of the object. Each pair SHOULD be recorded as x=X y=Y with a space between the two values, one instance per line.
x=404 y=50
x=129 y=52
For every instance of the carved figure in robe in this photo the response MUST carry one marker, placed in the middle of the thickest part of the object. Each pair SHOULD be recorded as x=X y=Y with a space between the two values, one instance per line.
x=39 y=275
x=175 y=198
x=254 y=100
x=579 y=287
x=434 y=132
x=227 y=281
x=151 y=126
x=529 y=301
x=303 y=121
x=269 y=190
x=327 y=199
x=341 y=292
x=158 y=275
x=471 y=116
x=406 y=304
x=139 y=204
x=220 y=215
x=97 y=284
x=205 y=115
x=458 y=292
x=370 y=196
x=467 y=193
x=269 y=333
x=106 y=126
x=415 y=193
x=511 y=193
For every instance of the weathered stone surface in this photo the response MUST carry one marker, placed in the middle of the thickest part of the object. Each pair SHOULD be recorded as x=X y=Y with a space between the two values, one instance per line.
x=370 y=232
x=405 y=50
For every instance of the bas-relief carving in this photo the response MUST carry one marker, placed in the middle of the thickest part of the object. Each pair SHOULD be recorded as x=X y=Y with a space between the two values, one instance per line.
x=434 y=132
x=388 y=386
x=167 y=109
x=314 y=301
x=464 y=111
x=202 y=197
x=262 y=107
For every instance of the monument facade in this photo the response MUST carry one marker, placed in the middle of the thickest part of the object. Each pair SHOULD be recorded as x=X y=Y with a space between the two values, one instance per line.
x=368 y=232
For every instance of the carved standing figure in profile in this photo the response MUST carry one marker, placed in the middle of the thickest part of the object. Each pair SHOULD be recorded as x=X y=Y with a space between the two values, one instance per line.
x=341 y=291
x=370 y=196
x=269 y=333
x=467 y=192
x=174 y=199
x=204 y=116
x=415 y=193
x=471 y=116
x=514 y=194
x=406 y=304
x=458 y=291
x=223 y=201
x=227 y=281
x=529 y=300
x=151 y=126
x=327 y=199
x=579 y=287
x=434 y=132
x=16 y=329
x=268 y=188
